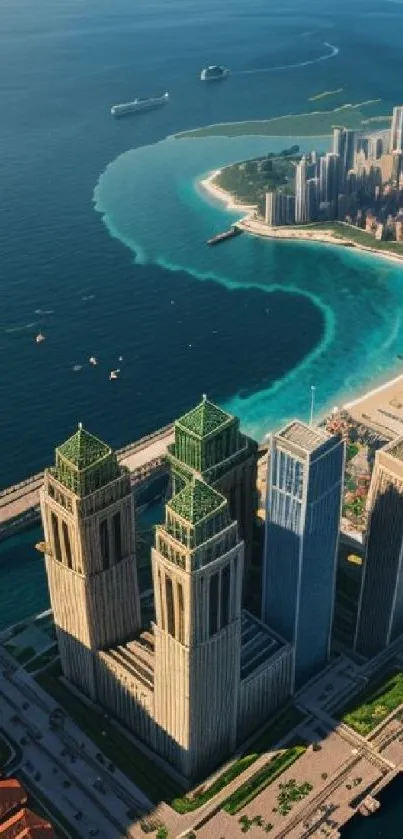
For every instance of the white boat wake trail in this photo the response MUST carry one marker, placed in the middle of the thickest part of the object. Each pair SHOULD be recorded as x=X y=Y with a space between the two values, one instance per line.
x=332 y=54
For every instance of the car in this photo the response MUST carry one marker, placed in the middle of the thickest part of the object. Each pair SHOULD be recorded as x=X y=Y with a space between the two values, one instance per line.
x=78 y=815
x=111 y=767
x=25 y=706
x=37 y=776
x=66 y=783
x=100 y=757
x=94 y=831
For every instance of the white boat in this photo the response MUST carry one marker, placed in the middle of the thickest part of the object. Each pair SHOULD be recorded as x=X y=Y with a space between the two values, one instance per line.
x=213 y=73
x=39 y=338
x=114 y=374
x=93 y=361
x=138 y=105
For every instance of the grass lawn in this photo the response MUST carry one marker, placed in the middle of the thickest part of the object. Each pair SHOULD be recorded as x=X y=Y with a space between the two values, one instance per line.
x=374 y=704
x=355 y=234
x=262 y=779
x=275 y=731
x=157 y=785
x=314 y=124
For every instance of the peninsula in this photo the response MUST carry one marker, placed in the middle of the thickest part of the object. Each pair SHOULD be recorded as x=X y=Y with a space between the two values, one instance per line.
x=350 y=196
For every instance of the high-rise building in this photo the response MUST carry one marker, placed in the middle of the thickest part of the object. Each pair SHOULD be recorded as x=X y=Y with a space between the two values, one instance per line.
x=396 y=133
x=397 y=157
x=209 y=445
x=305 y=483
x=329 y=179
x=197 y=575
x=88 y=519
x=339 y=142
x=312 y=188
x=203 y=676
x=350 y=139
x=275 y=215
x=301 y=197
x=380 y=613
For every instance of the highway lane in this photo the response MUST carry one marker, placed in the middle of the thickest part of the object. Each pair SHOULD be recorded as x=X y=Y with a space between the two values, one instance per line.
x=113 y=793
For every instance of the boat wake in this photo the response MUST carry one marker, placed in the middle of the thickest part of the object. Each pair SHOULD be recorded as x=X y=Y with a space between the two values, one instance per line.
x=332 y=54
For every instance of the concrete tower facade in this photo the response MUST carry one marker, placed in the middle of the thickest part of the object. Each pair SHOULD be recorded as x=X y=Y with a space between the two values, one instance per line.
x=301 y=199
x=396 y=133
x=209 y=445
x=305 y=485
x=380 y=610
x=197 y=573
x=88 y=519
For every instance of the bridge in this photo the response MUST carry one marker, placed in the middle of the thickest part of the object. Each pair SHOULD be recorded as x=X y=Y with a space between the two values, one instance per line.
x=19 y=504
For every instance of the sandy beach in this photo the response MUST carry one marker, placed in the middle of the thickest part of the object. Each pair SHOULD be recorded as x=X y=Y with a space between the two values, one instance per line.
x=257 y=227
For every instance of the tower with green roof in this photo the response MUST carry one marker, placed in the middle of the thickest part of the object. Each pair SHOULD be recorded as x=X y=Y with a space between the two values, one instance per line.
x=209 y=445
x=88 y=520
x=197 y=567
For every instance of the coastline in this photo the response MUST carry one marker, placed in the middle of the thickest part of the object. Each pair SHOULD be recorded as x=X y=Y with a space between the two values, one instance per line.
x=387 y=387
x=255 y=227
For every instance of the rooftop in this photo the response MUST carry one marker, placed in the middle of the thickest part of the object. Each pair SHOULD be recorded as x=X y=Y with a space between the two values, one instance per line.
x=196 y=501
x=258 y=644
x=83 y=450
x=12 y=795
x=307 y=437
x=395 y=449
x=206 y=418
x=26 y=825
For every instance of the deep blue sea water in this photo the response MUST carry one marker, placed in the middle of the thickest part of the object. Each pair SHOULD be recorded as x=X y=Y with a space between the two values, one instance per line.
x=102 y=229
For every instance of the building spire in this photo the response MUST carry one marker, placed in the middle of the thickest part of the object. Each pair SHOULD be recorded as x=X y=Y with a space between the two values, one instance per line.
x=80 y=426
x=204 y=397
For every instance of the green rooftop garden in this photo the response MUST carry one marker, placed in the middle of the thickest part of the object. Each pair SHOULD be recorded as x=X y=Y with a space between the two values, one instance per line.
x=84 y=463
x=205 y=419
x=374 y=704
x=196 y=502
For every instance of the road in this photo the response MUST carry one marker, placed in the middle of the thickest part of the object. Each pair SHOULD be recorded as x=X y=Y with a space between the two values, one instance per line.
x=66 y=762
x=25 y=496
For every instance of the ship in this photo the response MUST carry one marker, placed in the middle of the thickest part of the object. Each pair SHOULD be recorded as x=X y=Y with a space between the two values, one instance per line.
x=234 y=230
x=138 y=105
x=213 y=73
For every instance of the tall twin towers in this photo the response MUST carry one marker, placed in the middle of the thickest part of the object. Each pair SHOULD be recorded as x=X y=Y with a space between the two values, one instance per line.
x=206 y=672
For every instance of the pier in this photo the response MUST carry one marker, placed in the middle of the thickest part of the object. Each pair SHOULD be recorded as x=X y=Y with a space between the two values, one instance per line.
x=19 y=504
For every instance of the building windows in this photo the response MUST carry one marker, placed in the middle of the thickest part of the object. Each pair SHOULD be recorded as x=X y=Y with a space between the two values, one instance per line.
x=67 y=546
x=104 y=536
x=170 y=606
x=181 y=616
x=162 y=610
x=213 y=604
x=225 y=595
x=56 y=537
x=117 y=537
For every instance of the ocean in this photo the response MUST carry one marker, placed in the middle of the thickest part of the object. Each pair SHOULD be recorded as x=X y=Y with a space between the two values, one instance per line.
x=103 y=227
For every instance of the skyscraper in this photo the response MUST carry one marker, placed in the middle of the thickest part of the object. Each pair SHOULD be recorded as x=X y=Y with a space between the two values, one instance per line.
x=329 y=178
x=380 y=612
x=349 y=150
x=197 y=575
x=209 y=445
x=305 y=484
x=88 y=519
x=396 y=133
x=338 y=142
x=275 y=209
x=301 y=198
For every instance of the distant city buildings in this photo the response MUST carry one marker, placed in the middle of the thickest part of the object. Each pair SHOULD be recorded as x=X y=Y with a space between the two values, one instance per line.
x=396 y=133
x=362 y=175
x=380 y=614
x=305 y=484
x=301 y=193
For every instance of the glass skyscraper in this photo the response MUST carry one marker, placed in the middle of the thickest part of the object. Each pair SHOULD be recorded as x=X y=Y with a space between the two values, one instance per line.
x=302 y=526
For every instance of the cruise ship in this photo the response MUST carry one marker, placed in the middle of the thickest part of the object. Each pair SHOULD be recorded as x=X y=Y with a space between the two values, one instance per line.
x=214 y=72
x=139 y=105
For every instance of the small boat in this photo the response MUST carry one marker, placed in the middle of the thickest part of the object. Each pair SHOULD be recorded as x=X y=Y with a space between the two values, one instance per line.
x=39 y=338
x=114 y=374
x=120 y=358
x=93 y=361
x=213 y=73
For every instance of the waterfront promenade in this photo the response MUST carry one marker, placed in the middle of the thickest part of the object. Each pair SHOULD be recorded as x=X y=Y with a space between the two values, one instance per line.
x=142 y=458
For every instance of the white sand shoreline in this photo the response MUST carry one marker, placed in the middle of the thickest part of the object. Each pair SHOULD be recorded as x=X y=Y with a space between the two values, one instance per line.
x=256 y=227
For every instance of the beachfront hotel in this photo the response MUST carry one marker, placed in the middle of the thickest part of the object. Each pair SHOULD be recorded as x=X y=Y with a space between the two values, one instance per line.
x=206 y=673
x=380 y=611
x=305 y=484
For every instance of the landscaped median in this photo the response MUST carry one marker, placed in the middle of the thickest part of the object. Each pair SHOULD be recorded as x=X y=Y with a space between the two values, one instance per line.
x=262 y=779
x=374 y=704
x=276 y=730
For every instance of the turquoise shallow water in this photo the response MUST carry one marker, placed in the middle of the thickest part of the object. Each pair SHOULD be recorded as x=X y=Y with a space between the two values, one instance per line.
x=151 y=200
